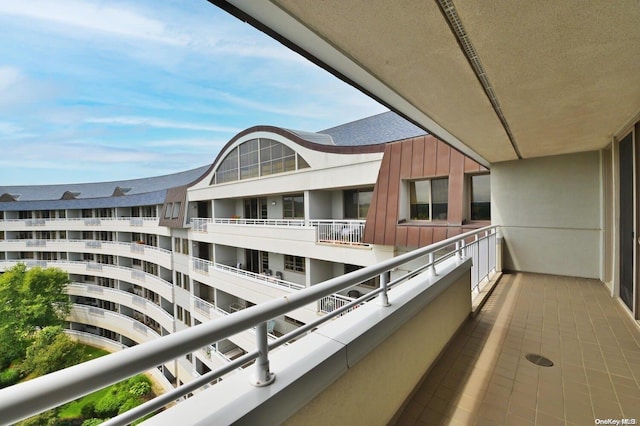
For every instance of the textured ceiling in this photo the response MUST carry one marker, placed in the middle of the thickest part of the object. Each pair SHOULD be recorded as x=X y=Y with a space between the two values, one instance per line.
x=566 y=73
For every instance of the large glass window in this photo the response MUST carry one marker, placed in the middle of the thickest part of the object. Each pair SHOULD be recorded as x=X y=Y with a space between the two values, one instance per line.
x=294 y=263
x=357 y=202
x=293 y=206
x=429 y=199
x=258 y=157
x=480 y=197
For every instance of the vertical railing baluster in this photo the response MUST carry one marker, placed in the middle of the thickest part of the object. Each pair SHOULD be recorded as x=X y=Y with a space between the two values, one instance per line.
x=262 y=376
x=432 y=264
x=383 y=297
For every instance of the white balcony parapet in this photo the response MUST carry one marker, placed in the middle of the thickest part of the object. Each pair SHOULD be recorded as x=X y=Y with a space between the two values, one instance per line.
x=199 y=224
x=90 y=244
x=86 y=221
x=88 y=266
x=204 y=266
x=146 y=306
x=349 y=232
x=335 y=301
x=203 y=307
x=26 y=399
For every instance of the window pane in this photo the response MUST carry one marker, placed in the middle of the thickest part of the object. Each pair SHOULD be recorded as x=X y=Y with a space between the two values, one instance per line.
x=176 y=210
x=302 y=163
x=351 y=204
x=440 y=196
x=364 y=201
x=419 y=197
x=480 y=197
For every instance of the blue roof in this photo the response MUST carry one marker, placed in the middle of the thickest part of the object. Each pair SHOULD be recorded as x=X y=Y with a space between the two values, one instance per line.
x=144 y=191
x=381 y=128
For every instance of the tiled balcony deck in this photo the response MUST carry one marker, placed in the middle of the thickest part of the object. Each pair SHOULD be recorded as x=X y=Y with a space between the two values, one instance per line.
x=483 y=377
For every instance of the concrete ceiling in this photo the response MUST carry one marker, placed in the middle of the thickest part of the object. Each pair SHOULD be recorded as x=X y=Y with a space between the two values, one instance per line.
x=565 y=74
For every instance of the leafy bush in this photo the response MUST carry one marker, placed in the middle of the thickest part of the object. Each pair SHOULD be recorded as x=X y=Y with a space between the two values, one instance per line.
x=93 y=422
x=108 y=405
x=50 y=351
x=88 y=410
x=129 y=404
x=9 y=377
x=140 y=389
x=48 y=418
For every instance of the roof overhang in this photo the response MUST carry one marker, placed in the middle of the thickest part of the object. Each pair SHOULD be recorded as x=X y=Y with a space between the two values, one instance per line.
x=564 y=75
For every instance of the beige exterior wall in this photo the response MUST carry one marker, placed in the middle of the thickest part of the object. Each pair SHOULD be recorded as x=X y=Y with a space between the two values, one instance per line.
x=376 y=387
x=550 y=212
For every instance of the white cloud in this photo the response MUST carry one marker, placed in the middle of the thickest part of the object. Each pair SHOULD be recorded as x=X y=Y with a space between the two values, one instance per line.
x=9 y=76
x=155 y=122
x=94 y=17
x=207 y=144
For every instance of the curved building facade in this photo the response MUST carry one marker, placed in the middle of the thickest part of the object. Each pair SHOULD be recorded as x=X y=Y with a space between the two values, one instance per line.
x=277 y=211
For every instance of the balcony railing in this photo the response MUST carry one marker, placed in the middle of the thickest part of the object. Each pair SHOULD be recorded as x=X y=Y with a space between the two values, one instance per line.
x=89 y=244
x=202 y=224
x=204 y=266
x=29 y=398
x=88 y=266
x=335 y=301
x=88 y=221
x=349 y=232
x=342 y=231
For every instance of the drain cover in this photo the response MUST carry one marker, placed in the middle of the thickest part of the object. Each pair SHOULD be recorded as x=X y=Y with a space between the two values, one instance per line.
x=539 y=360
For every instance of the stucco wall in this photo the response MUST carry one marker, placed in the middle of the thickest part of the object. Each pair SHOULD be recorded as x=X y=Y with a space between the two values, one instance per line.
x=550 y=213
x=375 y=388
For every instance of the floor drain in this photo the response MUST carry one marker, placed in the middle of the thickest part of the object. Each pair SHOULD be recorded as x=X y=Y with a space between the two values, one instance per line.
x=539 y=360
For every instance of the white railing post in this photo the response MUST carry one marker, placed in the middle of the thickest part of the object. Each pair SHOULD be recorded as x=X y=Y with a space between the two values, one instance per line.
x=262 y=376
x=459 y=247
x=432 y=264
x=383 y=298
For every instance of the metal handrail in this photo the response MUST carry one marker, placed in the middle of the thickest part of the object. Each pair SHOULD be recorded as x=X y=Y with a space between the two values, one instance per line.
x=25 y=399
x=31 y=242
x=203 y=265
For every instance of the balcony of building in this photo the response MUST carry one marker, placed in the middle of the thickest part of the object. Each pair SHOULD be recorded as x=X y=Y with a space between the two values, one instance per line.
x=436 y=299
x=485 y=377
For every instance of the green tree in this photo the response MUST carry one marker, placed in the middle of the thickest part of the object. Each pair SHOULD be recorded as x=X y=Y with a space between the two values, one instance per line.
x=50 y=351
x=29 y=300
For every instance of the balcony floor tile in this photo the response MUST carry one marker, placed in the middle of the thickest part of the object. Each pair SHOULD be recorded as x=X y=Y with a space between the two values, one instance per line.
x=484 y=378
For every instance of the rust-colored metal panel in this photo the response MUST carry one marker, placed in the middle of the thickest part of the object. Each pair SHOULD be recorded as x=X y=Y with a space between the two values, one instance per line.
x=439 y=233
x=413 y=236
x=406 y=159
x=470 y=166
x=381 y=191
x=369 y=224
x=430 y=152
x=456 y=188
x=401 y=236
x=442 y=159
x=417 y=162
x=393 y=190
x=452 y=231
x=426 y=236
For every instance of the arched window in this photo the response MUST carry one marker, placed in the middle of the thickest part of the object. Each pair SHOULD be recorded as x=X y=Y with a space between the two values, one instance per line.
x=258 y=157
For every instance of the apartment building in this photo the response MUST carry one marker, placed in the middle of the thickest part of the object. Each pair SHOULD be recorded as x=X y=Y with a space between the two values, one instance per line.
x=277 y=211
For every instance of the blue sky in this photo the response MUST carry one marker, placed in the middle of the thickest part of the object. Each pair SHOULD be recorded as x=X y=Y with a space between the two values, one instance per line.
x=108 y=90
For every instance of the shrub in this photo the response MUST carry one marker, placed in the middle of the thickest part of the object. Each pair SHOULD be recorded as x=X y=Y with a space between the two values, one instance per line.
x=9 y=377
x=140 y=389
x=129 y=404
x=92 y=422
x=108 y=405
x=48 y=418
x=140 y=378
x=88 y=410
